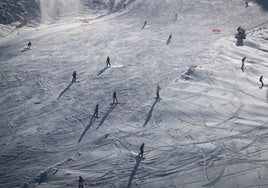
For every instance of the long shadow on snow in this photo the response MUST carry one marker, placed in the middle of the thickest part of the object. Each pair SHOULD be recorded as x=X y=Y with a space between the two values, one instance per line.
x=149 y=116
x=68 y=87
x=106 y=114
x=92 y=120
x=25 y=49
x=102 y=71
x=134 y=171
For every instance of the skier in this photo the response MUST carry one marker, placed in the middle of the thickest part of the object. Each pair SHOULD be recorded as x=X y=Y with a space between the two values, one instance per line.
x=29 y=45
x=144 y=25
x=176 y=17
x=115 y=98
x=96 y=112
x=141 y=150
x=261 y=80
x=246 y=4
x=241 y=33
x=74 y=76
x=124 y=6
x=157 y=92
x=243 y=64
x=108 y=64
x=169 y=38
x=81 y=182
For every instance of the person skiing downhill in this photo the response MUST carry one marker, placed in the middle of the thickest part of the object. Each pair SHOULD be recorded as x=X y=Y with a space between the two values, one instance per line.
x=29 y=45
x=261 y=80
x=169 y=39
x=144 y=25
x=141 y=150
x=115 y=98
x=96 y=112
x=74 y=76
x=81 y=182
x=108 y=64
x=176 y=17
x=243 y=64
x=157 y=91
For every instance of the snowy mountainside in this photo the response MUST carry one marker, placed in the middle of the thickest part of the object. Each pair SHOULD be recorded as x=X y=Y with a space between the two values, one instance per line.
x=209 y=128
x=18 y=10
x=13 y=11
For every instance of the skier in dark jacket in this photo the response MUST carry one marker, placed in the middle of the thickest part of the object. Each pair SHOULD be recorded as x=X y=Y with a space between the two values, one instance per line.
x=81 y=182
x=176 y=17
x=169 y=39
x=157 y=92
x=74 y=76
x=115 y=98
x=141 y=150
x=243 y=64
x=144 y=25
x=261 y=80
x=29 y=45
x=108 y=64
x=96 y=112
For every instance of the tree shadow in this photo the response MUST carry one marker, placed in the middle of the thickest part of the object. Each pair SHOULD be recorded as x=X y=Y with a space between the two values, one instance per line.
x=68 y=87
x=134 y=171
x=239 y=42
x=149 y=116
x=102 y=71
x=107 y=114
x=92 y=120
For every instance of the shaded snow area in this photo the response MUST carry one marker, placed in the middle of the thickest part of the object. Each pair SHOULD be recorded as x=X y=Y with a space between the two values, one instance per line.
x=19 y=10
x=209 y=128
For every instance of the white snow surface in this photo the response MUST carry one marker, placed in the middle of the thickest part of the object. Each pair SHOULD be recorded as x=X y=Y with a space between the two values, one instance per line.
x=209 y=129
x=59 y=9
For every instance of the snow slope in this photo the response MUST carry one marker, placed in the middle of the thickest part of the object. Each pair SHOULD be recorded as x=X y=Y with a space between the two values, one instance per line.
x=58 y=9
x=209 y=129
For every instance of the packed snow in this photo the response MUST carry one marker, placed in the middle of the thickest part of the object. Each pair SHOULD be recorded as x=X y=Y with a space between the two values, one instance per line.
x=207 y=129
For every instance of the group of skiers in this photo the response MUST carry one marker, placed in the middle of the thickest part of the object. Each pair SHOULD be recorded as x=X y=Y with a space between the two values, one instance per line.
x=96 y=111
x=170 y=36
x=243 y=69
x=114 y=101
x=81 y=181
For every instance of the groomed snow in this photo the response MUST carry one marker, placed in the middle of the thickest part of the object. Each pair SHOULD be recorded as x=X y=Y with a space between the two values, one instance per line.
x=209 y=129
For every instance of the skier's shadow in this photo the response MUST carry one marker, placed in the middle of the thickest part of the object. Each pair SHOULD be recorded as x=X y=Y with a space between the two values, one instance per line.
x=68 y=87
x=102 y=71
x=134 y=171
x=149 y=116
x=25 y=49
x=168 y=41
x=92 y=120
x=107 y=114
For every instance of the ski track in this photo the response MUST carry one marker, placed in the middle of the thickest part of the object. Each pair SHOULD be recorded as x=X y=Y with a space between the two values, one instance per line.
x=208 y=129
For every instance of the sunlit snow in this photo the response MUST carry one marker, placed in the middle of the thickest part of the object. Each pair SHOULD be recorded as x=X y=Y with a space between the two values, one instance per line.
x=208 y=129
